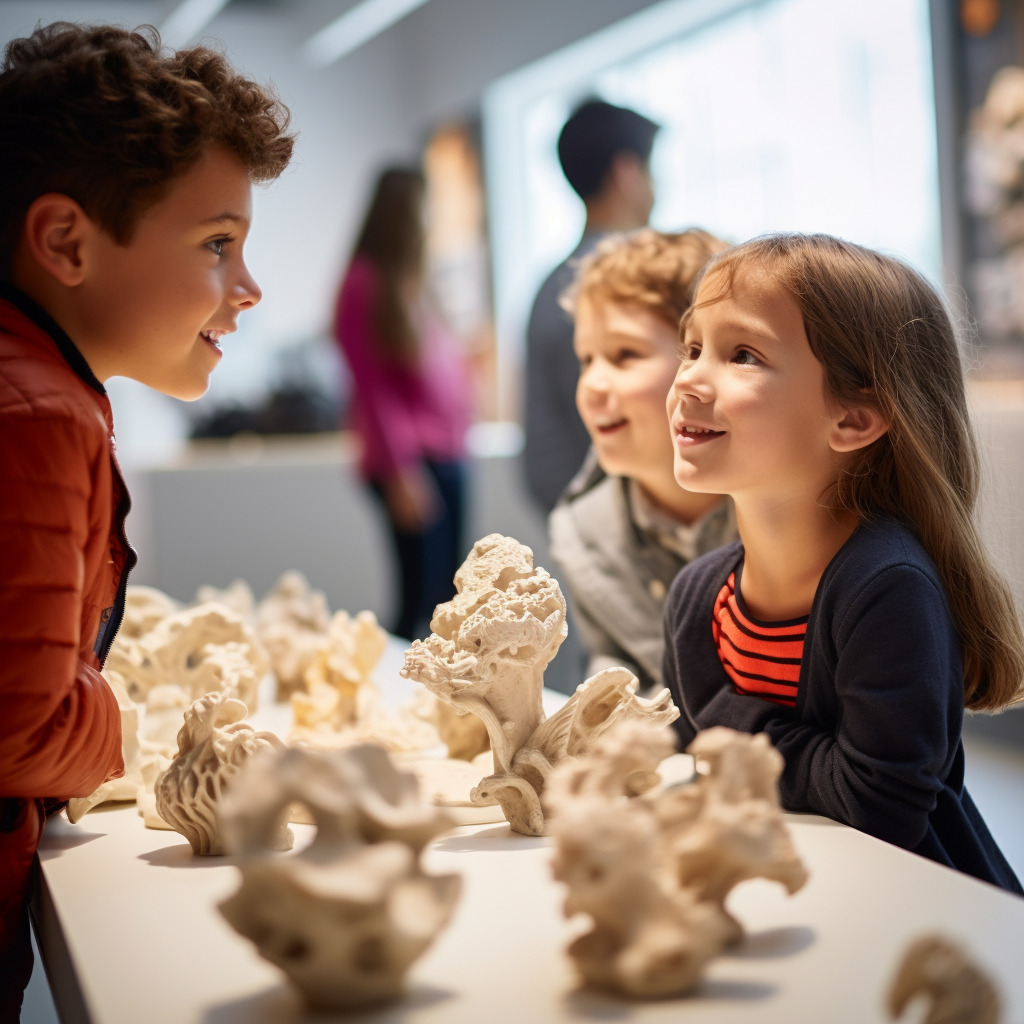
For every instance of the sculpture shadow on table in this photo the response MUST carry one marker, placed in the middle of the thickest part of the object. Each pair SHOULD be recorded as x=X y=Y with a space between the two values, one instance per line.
x=773 y=943
x=180 y=855
x=499 y=839
x=591 y=1004
x=283 y=1005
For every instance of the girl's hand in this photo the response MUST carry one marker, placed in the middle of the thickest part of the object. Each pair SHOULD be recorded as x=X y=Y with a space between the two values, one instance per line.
x=412 y=498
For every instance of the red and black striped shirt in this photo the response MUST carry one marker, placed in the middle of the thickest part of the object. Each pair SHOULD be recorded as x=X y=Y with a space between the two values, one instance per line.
x=761 y=658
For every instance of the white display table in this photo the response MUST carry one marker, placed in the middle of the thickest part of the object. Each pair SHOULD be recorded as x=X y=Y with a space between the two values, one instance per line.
x=127 y=924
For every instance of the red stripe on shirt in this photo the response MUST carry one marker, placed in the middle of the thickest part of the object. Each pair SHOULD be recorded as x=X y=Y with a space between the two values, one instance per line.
x=761 y=658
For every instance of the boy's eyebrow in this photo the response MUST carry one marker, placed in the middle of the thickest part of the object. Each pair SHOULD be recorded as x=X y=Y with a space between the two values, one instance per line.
x=220 y=218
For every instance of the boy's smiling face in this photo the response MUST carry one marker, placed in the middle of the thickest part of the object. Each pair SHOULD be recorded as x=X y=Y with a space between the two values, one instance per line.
x=154 y=309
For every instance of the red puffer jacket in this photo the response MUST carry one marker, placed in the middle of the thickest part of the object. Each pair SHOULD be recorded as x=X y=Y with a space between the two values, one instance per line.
x=64 y=564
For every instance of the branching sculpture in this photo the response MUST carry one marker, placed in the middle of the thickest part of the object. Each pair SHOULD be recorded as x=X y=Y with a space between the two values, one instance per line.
x=957 y=990
x=652 y=868
x=486 y=656
x=213 y=745
x=346 y=917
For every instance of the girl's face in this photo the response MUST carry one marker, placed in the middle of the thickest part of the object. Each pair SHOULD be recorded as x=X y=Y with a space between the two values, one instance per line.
x=748 y=408
x=628 y=359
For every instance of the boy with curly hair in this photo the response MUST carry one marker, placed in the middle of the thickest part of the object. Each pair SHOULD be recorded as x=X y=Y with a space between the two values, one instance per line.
x=125 y=199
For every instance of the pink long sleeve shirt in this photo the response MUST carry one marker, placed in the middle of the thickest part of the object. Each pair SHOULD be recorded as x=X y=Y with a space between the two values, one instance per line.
x=404 y=413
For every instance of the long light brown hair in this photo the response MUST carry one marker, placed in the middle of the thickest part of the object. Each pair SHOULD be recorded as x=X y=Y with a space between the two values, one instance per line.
x=885 y=340
x=392 y=238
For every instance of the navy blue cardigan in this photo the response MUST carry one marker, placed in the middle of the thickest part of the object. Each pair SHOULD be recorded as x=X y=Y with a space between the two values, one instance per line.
x=874 y=739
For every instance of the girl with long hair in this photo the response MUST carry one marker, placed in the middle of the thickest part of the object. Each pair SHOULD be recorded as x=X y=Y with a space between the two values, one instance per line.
x=821 y=386
x=411 y=396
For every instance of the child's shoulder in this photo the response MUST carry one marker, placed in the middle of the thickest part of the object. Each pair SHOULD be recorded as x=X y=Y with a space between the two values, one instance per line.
x=877 y=546
x=37 y=384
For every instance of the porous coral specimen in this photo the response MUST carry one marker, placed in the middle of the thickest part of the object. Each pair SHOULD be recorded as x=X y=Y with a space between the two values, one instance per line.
x=126 y=787
x=958 y=991
x=200 y=649
x=144 y=608
x=339 y=671
x=237 y=596
x=346 y=917
x=213 y=745
x=652 y=868
x=292 y=622
x=486 y=656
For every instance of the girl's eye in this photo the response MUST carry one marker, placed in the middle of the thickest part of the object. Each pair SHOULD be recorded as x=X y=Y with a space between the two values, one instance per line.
x=217 y=245
x=688 y=351
x=745 y=358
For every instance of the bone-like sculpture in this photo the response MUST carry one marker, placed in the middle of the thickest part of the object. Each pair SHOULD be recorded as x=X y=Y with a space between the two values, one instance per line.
x=339 y=671
x=346 y=917
x=958 y=991
x=127 y=786
x=652 y=868
x=213 y=745
x=237 y=596
x=200 y=649
x=144 y=608
x=486 y=656
x=292 y=621
x=465 y=736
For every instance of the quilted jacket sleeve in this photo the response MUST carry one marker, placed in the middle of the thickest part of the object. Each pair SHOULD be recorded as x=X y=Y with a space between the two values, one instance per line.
x=60 y=732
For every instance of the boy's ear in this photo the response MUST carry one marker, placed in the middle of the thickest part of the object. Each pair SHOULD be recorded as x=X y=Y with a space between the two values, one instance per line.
x=856 y=428
x=53 y=237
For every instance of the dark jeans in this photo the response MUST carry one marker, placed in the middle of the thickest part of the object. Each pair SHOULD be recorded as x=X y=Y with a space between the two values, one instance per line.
x=427 y=560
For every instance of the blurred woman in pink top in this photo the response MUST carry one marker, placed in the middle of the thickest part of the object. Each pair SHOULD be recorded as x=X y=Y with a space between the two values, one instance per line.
x=411 y=396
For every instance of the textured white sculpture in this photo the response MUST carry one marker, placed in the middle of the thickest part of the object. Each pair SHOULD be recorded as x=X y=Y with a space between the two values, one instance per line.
x=292 y=621
x=486 y=656
x=958 y=991
x=127 y=786
x=200 y=649
x=339 y=671
x=652 y=868
x=153 y=764
x=144 y=608
x=237 y=596
x=346 y=917
x=213 y=745
x=464 y=735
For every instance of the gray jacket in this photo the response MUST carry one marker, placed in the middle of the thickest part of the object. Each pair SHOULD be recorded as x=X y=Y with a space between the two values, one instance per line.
x=556 y=440
x=619 y=574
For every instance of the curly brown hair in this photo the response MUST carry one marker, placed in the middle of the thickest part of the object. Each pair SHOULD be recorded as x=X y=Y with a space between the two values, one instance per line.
x=107 y=117
x=651 y=269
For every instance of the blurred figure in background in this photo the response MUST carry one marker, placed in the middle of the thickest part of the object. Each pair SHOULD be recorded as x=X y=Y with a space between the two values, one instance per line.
x=605 y=153
x=411 y=396
x=625 y=527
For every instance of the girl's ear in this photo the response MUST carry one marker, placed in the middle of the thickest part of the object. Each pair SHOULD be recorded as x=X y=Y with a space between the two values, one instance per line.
x=855 y=428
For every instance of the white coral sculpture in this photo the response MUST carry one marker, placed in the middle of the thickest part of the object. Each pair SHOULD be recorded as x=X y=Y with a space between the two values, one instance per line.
x=292 y=622
x=126 y=787
x=346 y=917
x=237 y=596
x=213 y=745
x=958 y=991
x=652 y=868
x=487 y=655
x=340 y=673
x=200 y=649
x=144 y=608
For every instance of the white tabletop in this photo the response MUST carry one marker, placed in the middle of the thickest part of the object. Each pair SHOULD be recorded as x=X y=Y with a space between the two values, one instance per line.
x=128 y=926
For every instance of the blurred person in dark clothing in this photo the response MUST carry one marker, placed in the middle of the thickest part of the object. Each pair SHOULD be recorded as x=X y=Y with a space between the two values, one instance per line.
x=605 y=153
x=411 y=398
